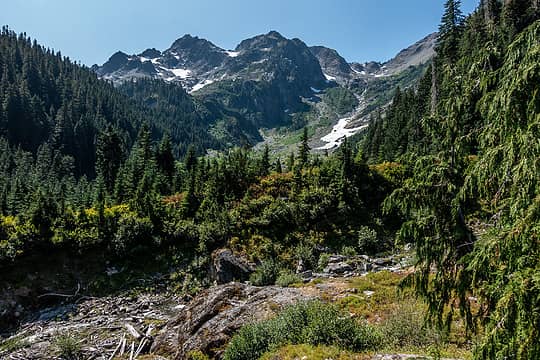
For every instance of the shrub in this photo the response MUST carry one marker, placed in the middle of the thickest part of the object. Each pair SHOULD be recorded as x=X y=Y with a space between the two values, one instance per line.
x=306 y=253
x=348 y=251
x=13 y=237
x=67 y=347
x=265 y=274
x=323 y=261
x=197 y=355
x=313 y=323
x=368 y=240
x=405 y=327
x=132 y=232
x=287 y=278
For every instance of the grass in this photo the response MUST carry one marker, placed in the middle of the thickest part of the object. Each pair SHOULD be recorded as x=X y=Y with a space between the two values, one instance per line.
x=376 y=295
x=67 y=347
x=13 y=344
x=303 y=351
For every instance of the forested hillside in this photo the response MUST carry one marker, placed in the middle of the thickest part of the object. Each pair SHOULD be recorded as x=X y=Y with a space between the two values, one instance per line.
x=468 y=135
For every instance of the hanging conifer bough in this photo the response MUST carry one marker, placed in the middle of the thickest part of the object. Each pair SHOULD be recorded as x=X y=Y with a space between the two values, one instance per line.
x=472 y=203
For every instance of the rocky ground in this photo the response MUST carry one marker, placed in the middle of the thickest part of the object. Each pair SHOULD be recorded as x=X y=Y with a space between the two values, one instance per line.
x=167 y=326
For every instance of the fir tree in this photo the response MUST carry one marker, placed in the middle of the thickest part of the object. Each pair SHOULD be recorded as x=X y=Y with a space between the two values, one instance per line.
x=450 y=31
x=303 y=150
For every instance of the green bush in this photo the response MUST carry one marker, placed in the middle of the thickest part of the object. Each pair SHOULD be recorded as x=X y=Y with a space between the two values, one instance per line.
x=313 y=323
x=368 y=240
x=287 y=278
x=67 y=347
x=323 y=261
x=348 y=251
x=197 y=355
x=132 y=232
x=406 y=327
x=265 y=274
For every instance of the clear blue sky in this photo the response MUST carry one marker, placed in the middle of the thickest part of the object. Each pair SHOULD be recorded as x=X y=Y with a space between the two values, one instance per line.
x=91 y=30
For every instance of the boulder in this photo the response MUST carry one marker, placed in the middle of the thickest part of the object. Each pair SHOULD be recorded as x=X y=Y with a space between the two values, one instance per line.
x=338 y=268
x=213 y=316
x=228 y=267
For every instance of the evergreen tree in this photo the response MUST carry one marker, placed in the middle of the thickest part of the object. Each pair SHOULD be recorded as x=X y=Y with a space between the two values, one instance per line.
x=264 y=168
x=291 y=162
x=278 y=167
x=109 y=156
x=165 y=158
x=450 y=31
x=190 y=160
x=303 y=150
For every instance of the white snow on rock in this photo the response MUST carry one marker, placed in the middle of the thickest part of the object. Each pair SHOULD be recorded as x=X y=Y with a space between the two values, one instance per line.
x=329 y=78
x=339 y=133
x=200 y=85
x=182 y=73
x=143 y=59
x=315 y=90
x=232 y=53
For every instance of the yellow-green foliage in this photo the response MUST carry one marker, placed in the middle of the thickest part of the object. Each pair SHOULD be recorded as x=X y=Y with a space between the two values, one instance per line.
x=392 y=172
x=13 y=236
x=85 y=228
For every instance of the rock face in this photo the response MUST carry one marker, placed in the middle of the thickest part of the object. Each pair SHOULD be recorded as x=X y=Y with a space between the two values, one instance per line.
x=331 y=62
x=209 y=320
x=228 y=267
x=416 y=54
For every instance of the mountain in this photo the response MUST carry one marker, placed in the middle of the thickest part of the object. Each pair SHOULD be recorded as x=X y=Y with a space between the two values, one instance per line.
x=337 y=68
x=196 y=63
x=333 y=64
x=271 y=82
x=417 y=54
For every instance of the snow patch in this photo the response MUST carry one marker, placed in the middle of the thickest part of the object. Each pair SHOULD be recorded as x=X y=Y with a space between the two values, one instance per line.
x=316 y=91
x=232 y=53
x=339 y=133
x=329 y=77
x=143 y=59
x=200 y=85
x=182 y=73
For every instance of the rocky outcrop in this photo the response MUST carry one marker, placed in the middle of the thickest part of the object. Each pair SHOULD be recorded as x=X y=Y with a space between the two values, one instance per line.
x=228 y=267
x=331 y=62
x=208 y=321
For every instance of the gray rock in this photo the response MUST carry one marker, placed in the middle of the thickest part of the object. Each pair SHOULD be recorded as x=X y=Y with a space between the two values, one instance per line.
x=210 y=320
x=228 y=267
x=338 y=268
x=384 y=261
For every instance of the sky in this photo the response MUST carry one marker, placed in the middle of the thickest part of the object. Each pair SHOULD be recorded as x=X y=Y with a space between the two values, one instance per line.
x=90 y=31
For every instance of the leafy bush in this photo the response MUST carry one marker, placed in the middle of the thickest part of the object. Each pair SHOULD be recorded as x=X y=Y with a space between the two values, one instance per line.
x=197 y=355
x=348 y=251
x=313 y=323
x=265 y=274
x=323 y=261
x=13 y=237
x=287 y=278
x=132 y=232
x=305 y=253
x=367 y=240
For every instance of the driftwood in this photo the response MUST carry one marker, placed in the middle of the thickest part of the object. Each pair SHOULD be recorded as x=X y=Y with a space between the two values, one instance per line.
x=62 y=295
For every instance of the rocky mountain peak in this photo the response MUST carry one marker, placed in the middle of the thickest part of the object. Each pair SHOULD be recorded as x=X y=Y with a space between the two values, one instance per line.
x=331 y=62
